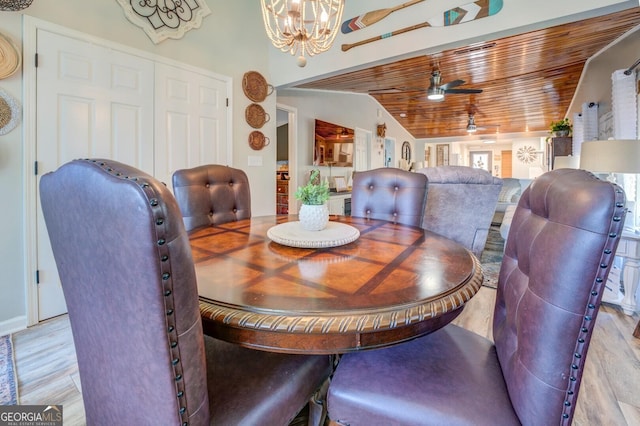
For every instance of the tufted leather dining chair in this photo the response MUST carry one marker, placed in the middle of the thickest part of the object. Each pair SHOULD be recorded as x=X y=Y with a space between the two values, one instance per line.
x=559 y=251
x=212 y=194
x=390 y=194
x=129 y=281
x=461 y=202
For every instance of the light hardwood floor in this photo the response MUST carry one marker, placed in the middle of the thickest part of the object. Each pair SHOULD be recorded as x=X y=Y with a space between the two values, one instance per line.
x=610 y=393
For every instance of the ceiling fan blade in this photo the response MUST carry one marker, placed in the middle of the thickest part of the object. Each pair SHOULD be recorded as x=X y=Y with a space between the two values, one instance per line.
x=396 y=90
x=389 y=90
x=452 y=84
x=463 y=91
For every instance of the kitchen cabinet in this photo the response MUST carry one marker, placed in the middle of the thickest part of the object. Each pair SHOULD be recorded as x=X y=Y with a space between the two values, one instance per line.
x=282 y=192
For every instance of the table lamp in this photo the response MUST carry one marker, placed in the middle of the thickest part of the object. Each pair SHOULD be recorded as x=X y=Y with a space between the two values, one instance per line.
x=566 y=162
x=613 y=156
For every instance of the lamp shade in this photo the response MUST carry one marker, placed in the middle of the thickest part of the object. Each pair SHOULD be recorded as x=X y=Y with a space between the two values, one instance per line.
x=611 y=156
x=566 y=162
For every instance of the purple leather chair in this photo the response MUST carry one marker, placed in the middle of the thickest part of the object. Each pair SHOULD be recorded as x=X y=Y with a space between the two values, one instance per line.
x=129 y=281
x=390 y=194
x=212 y=194
x=558 y=254
x=461 y=202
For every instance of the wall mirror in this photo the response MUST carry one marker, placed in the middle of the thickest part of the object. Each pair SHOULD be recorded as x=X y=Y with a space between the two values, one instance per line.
x=333 y=145
x=406 y=151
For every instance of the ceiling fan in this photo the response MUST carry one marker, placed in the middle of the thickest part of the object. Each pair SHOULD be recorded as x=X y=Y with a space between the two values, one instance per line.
x=436 y=91
x=472 y=127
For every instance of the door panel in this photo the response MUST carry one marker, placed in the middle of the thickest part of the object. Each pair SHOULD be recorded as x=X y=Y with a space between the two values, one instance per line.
x=191 y=120
x=91 y=102
x=506 y=163
x=363 y=150
x=95 y=99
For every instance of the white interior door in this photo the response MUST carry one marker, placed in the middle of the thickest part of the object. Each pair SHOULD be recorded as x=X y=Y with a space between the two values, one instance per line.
x=362 y=156
x=190 y=120
x=91 y=102
x=390 y=152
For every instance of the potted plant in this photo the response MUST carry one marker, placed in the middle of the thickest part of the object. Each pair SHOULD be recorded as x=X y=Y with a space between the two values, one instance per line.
x=561 y=128
x=314 y=213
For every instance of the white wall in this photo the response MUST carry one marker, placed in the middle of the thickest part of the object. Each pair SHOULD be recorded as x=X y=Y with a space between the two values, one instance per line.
x=595 y=82
x=12 y=286
x=230 y=42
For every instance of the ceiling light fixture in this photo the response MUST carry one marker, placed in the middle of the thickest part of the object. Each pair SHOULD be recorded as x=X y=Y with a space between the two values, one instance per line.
x=471 y=124
x=435 y=94
x=302 y=26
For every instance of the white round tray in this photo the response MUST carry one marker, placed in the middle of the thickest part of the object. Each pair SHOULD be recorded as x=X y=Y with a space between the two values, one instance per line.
x=293 y=235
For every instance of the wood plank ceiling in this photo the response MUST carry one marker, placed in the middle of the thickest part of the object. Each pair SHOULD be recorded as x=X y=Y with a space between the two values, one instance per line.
x=528 y=80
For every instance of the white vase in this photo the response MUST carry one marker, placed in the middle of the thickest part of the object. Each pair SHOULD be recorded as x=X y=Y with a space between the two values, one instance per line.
x=314 y=218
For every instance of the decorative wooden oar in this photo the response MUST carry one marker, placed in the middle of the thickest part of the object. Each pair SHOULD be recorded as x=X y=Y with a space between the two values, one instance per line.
x=370 y=18
x=465 y=13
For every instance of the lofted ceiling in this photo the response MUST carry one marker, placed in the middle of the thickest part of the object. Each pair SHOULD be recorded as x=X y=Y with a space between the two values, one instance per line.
x=527 y=80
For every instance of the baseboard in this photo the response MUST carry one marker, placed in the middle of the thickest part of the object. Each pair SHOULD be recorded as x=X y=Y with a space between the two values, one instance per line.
x=13 y=325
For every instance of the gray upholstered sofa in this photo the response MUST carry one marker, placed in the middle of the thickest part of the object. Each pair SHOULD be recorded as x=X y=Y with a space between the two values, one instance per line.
x=509 y=194
x=460 y=204
x=508 y=199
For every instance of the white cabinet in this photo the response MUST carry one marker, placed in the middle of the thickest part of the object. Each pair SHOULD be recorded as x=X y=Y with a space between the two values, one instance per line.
x=622 y=283
x=101 y=100
x=337 y=204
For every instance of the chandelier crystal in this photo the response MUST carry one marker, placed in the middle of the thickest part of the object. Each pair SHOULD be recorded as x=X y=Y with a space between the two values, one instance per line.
x=302 y=27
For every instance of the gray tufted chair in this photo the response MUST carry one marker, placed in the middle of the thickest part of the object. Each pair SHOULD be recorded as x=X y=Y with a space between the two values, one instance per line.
x=559 y=251
x=461 y=202
x=389 y=194
x=129 y=281
x=212 y=194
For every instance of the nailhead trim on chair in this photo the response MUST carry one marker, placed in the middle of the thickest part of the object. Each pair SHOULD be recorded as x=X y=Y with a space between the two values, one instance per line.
x=165 y=270
x=590 y=313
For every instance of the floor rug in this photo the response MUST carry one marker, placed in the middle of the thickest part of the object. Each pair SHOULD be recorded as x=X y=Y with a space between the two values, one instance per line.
x=8 y=386
x=492 y=255
x=491 y=272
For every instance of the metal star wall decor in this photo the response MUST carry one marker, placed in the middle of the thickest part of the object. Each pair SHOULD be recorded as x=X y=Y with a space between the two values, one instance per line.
x=527 y=154
x=162 y=19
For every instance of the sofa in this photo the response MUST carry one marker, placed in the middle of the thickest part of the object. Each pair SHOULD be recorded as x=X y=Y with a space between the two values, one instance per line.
x=509 y=194
x=461 y=202
x=508 y=199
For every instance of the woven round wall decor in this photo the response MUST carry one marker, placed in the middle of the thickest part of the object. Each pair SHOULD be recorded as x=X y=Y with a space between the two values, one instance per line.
x=10 y=59
x=14 y=5
x=10 y=112
x=255 y=86
x=257 y=140
x=256 y=115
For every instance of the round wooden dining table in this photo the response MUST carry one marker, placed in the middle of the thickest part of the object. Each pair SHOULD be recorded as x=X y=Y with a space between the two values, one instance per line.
x=390 y=284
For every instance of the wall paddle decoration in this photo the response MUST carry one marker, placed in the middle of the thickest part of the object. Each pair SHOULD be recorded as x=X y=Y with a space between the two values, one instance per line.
x=458 y=15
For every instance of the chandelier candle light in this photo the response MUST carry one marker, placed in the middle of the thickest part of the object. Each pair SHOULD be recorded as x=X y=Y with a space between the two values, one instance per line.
x=304 y=27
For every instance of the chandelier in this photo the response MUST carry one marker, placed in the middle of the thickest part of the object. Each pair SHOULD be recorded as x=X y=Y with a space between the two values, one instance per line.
x=303 y=27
